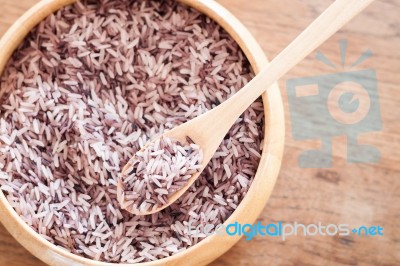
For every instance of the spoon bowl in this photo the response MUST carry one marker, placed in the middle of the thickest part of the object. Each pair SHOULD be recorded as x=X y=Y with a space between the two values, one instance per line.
x=178 y=135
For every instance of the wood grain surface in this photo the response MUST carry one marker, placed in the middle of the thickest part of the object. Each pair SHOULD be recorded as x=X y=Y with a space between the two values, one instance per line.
x=354 y=194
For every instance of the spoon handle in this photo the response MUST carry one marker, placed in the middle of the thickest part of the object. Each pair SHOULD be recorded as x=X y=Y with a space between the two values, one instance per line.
x=330 y=21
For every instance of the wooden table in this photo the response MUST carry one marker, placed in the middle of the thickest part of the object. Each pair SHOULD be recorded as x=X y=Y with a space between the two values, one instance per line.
x=355 y=194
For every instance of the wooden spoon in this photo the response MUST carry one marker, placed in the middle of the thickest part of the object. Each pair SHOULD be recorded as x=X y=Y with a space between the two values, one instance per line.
x=209 y=129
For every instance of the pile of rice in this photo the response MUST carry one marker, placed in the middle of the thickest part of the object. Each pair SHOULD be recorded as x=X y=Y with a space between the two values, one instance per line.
x=156 y=172
x=86 y=90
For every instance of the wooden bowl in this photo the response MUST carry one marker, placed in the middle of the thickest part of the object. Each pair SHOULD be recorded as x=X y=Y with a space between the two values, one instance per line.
x=248 y=210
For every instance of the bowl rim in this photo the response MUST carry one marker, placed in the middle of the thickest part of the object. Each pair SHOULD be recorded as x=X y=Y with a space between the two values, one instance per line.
x=259 y=191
